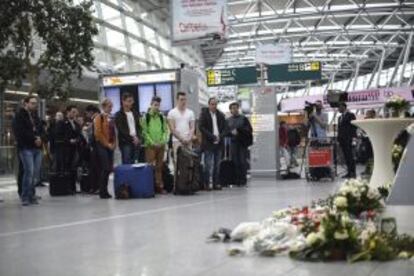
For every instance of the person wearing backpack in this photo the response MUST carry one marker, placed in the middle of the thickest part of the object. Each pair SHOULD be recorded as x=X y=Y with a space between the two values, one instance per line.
x=156 y=135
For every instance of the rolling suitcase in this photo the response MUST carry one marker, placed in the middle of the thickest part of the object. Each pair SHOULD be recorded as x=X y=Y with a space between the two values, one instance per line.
x=139 y=177
x=184 y=172
x=85 y=181
x=61 y=183
x=167 y=178
x=227 y=169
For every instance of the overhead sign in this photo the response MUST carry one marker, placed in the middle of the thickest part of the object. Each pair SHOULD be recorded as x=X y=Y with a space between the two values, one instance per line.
x=155 y=77
x=294 y=71
x=232 y=76
x=367 y=98
x=195 y=19
x=273 y=53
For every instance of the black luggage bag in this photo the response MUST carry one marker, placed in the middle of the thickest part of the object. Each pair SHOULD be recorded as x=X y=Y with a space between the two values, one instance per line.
x=227 y=169
x=184 y=172
x=62 y=183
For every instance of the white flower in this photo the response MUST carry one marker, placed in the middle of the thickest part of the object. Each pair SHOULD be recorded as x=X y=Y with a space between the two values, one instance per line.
x=345 y=190
x=345 y=219
x=341 y=202
x=373 y=194
x=313 y=238
x=410 y=129
x=341 y=235
x=403 y=255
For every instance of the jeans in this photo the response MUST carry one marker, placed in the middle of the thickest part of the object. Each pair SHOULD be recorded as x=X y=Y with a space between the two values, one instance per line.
x=293 y=155
x=129 y=153
x=31 y=160
x=212 y=160
x=285 y=154
x=239 y=158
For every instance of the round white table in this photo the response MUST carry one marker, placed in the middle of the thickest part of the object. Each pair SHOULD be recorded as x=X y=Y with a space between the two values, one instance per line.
x=382 y=133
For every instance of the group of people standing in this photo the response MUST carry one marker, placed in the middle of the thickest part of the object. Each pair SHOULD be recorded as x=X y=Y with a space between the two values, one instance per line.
x=90 y=142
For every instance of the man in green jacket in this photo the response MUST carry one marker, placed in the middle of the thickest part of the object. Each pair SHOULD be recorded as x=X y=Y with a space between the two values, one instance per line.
x=155 y=132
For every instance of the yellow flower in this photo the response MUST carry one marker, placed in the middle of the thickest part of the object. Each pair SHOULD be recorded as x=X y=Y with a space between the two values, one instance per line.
x=372 y=244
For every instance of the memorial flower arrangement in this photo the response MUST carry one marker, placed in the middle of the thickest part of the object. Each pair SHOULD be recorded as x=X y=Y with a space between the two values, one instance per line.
x=398 y=103
x=356 y=196
x=345 y=226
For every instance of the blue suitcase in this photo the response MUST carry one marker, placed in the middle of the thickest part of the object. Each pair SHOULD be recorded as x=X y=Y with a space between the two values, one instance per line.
x=139 y=179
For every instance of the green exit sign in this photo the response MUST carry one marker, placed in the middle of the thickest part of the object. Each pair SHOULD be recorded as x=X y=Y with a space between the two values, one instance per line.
x=294 y=71
x=232 y=76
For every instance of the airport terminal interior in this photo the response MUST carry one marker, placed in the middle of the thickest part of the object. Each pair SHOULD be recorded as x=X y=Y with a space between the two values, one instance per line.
x=206 y=137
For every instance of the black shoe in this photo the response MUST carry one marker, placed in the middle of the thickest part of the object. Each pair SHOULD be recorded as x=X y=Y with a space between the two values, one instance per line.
x=107 y=196
x=217 y=187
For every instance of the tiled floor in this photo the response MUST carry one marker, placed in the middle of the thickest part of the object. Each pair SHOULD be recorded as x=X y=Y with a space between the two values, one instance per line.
x=83 y=235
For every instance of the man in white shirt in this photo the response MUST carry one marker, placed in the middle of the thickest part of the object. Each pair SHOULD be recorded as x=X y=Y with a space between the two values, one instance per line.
x=127 y=122
x=181 y=121
x=213 y=127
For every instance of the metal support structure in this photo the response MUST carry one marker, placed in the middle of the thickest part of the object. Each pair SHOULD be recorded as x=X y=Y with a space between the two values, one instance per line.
x=406 y=55
x=380 y=68
x=356 y=76
x=410 y=81
x=329 y=84
x=397 y=64
x=2 y=115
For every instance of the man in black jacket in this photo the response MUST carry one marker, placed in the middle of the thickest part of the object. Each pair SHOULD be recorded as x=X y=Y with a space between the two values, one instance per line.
x=241 y=133
x=28 y=133
x=129 y=130
x=346 y=134
x=69 y=137
x=212 y=125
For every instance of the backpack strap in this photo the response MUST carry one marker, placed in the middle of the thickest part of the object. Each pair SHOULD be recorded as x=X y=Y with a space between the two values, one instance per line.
x=148 y=118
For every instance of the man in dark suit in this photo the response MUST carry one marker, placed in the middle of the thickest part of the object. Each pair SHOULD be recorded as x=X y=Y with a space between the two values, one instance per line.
x=212 y=125
x=346 y=134
x=69 y=136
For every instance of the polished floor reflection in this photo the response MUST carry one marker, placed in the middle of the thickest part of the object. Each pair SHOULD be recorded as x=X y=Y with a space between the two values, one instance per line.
x=163 y=236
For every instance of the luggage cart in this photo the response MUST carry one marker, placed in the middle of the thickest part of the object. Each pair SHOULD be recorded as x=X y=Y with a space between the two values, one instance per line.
x=320 y=159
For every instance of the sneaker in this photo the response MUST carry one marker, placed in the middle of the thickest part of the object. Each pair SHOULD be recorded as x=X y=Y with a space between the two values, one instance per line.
x=34 y=202
x=25 y=203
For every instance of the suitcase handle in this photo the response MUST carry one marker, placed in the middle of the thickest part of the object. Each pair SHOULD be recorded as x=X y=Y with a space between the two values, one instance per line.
x=227 y=148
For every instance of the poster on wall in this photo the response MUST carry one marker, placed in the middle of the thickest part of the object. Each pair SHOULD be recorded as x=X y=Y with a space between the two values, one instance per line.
x=197 y=19
x=273 y=53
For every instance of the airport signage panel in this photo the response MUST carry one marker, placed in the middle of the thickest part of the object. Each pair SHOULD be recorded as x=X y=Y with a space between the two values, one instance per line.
x=294 y=71
x=232 y=76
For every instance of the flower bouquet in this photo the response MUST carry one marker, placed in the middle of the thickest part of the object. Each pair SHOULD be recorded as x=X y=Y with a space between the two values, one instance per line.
x=397 y=105
x=356 y=196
